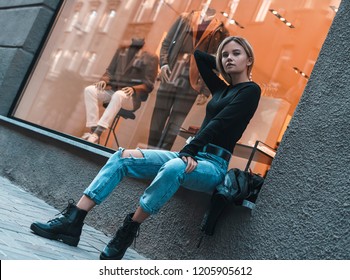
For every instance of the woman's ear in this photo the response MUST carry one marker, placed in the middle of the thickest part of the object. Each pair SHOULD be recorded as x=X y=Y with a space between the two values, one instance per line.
x=250 y=61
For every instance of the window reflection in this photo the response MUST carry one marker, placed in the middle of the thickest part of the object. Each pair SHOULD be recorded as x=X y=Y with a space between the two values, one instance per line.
x=56 y=58
x=88 y=33
x=73 y=22
x=107 y=20
x=262 y=12
x=73 y=61
x=87 y=67
x=91 y=18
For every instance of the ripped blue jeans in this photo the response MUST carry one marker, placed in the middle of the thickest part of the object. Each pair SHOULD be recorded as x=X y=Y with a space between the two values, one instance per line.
x=165 y=169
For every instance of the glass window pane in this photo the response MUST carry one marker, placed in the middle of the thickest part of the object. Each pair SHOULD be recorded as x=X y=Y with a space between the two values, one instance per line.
x=92 y=36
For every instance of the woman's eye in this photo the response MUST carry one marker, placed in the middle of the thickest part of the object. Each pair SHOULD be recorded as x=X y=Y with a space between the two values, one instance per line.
x=225 y=55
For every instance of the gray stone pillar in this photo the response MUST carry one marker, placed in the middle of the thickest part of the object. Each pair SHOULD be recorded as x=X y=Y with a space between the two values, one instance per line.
x=24 y=25
x=304 y=209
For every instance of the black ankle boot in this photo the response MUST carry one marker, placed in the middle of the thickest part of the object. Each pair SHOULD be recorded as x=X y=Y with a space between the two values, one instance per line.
x=123 y=238
x=67 y=227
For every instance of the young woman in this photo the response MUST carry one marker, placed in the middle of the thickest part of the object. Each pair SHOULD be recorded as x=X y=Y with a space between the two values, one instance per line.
x=201 y=165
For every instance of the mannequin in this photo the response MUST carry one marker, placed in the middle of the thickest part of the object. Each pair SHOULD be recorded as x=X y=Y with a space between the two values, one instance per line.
x=180 y=83
x=126 y=83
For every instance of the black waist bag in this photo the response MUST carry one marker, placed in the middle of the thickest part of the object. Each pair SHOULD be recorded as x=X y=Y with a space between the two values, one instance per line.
x=239 y=187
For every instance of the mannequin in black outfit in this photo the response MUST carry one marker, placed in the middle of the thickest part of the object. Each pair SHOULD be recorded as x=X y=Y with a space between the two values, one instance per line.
x=180 y=81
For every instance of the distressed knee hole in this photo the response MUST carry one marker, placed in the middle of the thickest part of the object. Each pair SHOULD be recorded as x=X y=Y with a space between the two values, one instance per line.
x=132 y=154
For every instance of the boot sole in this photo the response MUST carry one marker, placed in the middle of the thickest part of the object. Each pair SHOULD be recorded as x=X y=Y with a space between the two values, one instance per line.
x=116 y=257
x=69 y=240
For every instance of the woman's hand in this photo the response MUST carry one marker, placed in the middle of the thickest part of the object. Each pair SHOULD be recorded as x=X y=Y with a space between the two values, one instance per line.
x=191 y=164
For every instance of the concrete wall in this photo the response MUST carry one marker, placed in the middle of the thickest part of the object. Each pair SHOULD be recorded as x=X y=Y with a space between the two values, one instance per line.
x=302 y=213
x=304 y=210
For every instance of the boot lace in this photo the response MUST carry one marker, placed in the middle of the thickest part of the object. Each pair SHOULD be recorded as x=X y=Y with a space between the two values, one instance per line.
x=136 y=236
x=65 y=212
x=122 y=235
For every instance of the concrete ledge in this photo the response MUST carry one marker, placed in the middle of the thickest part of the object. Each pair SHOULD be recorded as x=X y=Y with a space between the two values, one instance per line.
x=54 y=135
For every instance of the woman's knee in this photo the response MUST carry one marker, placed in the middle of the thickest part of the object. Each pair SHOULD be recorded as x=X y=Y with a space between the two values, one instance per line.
x=124 y=160
x=135 y=153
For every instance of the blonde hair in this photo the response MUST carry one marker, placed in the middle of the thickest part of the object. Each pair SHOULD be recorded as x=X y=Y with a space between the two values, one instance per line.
x=247 y=48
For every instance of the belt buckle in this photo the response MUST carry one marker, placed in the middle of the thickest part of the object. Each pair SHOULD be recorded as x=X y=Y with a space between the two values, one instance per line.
x=220 y=152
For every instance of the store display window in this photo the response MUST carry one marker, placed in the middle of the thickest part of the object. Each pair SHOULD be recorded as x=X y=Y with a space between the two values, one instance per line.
x=97 y=48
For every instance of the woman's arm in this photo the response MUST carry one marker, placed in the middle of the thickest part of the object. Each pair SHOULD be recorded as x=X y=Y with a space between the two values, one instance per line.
x=206 y=64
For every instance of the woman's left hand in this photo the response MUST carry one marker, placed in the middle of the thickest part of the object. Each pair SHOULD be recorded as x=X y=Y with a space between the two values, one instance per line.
x=191 y=164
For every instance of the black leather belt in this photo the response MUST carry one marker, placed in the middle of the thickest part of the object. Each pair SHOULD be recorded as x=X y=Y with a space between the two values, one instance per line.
x=218 y=151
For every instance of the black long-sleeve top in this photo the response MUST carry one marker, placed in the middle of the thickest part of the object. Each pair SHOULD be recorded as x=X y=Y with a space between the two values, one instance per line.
x=228 y=112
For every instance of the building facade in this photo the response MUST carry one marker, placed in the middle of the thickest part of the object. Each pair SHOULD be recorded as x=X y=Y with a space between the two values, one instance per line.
x=303 y=209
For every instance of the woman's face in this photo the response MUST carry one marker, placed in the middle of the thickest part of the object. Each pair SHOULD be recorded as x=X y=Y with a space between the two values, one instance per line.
x=234 y=59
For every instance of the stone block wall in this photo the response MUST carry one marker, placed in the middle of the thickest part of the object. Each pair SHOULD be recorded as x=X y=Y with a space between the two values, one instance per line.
x=24 y=25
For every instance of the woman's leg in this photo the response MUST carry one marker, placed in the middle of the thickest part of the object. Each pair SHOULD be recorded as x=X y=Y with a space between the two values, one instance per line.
x=112 y=167
x=133 y=163
x=140 y=216
x=141 y=164
x=85 y=202
x=207 y=175
x=170 y=177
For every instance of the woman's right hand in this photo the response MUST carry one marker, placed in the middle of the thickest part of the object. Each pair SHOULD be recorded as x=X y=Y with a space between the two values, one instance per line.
x=191 y=164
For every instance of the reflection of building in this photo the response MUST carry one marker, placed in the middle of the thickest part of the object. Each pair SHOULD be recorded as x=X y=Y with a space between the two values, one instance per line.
x=90 y=27
x=306 y=190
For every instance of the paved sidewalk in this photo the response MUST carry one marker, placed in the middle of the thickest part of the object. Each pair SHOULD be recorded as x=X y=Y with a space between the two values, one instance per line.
x=18 y=209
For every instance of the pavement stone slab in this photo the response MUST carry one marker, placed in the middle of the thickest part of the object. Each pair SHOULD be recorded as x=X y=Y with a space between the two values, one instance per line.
x=19 y=209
